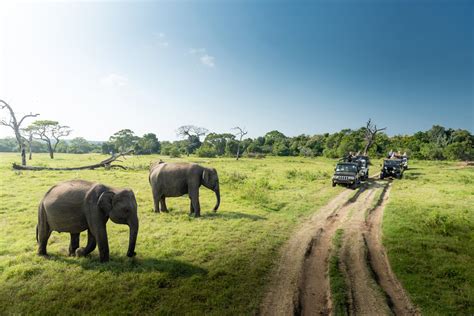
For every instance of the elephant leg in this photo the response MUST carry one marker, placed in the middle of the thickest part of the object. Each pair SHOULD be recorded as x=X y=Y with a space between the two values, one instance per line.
x=100 y=234
x=43 y=235
x=43 y=231
x=89 y=247
x=163 y=204
x=191 y=208
x=156 y=200
x=74 y=244
x=194 y=196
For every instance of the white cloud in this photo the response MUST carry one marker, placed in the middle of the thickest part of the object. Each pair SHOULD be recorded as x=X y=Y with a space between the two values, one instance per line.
x=114 y=80
x=164 y=44
x=204 y=57
x=207 y=60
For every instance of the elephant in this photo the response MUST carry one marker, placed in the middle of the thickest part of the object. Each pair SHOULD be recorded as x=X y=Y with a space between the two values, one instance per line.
x=77 y=205
x=177 y=179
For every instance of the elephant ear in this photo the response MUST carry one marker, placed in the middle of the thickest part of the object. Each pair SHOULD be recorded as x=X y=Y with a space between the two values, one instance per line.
x=105 y=201
x=206 y=175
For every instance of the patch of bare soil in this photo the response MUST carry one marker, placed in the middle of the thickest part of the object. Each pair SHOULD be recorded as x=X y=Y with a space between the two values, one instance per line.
x=282 y=297
x=301 y=285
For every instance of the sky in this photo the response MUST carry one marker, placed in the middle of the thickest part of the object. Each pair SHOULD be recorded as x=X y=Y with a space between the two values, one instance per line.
x=297 y=67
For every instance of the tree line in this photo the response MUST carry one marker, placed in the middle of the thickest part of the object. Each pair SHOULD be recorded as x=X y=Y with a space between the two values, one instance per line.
x=437 y=143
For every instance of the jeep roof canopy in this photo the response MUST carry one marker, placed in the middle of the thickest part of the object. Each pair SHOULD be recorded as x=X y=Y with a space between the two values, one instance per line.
x=392 y=162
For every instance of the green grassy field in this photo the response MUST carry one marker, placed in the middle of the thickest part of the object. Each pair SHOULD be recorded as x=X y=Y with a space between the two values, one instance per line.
x=429 y=235
x=218 y=264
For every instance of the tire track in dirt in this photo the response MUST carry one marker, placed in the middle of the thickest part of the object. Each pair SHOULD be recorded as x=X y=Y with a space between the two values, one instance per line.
x=301 y=285
x=364 y=295
x=282 y=297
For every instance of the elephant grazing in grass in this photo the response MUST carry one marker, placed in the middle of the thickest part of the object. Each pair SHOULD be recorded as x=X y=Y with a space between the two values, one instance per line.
x=77 y=205
x=177 y=179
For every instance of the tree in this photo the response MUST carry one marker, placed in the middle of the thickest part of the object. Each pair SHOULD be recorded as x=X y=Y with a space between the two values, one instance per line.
x=28 y=134
x=207 y=151
x=124 y=140
x=218 y=141
x=192 y=134
x=148 y=144
x=15 y=124
x=240 y=132
x=371 y=131
x=80 y=145
x=50 y=132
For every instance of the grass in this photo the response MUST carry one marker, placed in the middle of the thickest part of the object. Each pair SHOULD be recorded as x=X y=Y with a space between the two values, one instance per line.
x=218 y=264
x=336 y=277
x=429 y=235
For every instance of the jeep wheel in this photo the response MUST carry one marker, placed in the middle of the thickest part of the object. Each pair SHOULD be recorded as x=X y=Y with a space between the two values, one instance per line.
x=333 y=184
x=381 y=176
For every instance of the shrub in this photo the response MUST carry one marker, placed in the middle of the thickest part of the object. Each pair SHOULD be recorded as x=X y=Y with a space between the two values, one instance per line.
x=206 y=151
x=174 y=153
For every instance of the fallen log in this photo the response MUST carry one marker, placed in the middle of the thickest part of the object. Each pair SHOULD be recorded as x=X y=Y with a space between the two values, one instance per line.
x=107 y=164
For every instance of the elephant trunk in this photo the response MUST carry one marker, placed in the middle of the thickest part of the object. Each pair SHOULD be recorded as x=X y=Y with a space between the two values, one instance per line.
x=133 y=224
x=218 y=197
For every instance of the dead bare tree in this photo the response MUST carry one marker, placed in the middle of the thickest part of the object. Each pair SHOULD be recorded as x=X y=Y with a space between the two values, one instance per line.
x=15 y=124
x=240 y=133
x=193 y=134
x=371 y=131
x=50 y=132
x=107 y=164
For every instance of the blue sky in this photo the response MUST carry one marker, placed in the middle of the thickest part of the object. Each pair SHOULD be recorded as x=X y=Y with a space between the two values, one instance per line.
x=298 y=67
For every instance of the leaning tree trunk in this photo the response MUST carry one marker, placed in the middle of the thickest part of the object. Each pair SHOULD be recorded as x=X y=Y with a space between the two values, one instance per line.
x=51 y=152
x=238 y=151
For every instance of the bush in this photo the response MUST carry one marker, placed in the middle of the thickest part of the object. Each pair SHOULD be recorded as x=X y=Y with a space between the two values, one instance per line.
x=174 y=153
x=255 y=155
x=206 y=151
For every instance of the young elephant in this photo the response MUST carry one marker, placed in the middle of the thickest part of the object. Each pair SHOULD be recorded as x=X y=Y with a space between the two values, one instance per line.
x=177 y=179
x=76 y=205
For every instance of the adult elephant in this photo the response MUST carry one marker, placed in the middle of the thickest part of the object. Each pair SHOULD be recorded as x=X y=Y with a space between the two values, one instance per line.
x=177 y=179
x=77 y=205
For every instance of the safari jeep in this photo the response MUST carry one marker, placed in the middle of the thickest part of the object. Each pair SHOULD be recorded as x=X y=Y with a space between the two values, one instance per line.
x=392 y=168
x=347 y=174
x=364 y=166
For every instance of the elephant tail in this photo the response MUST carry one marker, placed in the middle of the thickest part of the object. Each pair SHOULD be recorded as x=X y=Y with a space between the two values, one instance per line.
x=40 y=215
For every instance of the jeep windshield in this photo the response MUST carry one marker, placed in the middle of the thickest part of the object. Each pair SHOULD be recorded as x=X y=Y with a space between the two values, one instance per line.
x=346 y=168
x=392 y=163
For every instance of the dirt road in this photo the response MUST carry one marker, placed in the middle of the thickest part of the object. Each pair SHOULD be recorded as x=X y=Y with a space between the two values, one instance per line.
x=301 y=283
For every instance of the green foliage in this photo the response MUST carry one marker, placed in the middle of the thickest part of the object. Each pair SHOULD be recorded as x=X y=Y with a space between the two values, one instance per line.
x=174 y=152
x=438 y=143
x=123 y=140
x=148 y=144
x=79 y=145
x=8 y=145
x=207 y=151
